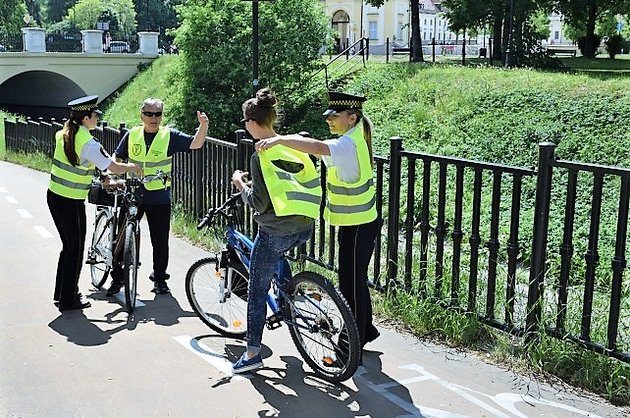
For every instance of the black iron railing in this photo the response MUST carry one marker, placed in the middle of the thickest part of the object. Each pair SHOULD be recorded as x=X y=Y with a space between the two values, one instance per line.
x=462 y=233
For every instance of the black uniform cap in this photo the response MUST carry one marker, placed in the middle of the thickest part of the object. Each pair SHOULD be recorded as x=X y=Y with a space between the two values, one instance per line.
x=84 y=104
x=338 y=102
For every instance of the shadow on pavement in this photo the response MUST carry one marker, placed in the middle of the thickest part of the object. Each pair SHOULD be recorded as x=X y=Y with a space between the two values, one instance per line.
x=294 y=391
x=80 y=329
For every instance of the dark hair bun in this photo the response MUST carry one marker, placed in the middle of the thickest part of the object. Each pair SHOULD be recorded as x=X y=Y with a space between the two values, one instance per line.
x=266 y=98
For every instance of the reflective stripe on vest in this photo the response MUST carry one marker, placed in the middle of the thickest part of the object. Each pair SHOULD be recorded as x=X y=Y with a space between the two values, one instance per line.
x=153 y=159
x=291 y=193
x=68 y=180
x=352 y=203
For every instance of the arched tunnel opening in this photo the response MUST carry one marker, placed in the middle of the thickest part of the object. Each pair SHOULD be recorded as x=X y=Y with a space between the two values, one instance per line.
x=39 y=94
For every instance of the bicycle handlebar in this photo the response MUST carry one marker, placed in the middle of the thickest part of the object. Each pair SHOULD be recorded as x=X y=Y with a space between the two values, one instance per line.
x=222 y=210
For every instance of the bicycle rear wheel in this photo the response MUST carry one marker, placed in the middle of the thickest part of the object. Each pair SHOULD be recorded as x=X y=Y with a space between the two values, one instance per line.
x=219 y=295
x=130 y=266
x=322 y=326
x=100 y=248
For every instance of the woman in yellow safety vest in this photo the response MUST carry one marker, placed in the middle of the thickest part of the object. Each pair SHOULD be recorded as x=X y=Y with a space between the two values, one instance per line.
x=76 y=156
x=350 y=197
x=285 y=194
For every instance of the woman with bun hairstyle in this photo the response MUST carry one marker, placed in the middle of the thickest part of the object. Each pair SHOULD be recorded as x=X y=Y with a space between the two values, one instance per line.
x=76 y=156
x=285 y=196
x=350 y=197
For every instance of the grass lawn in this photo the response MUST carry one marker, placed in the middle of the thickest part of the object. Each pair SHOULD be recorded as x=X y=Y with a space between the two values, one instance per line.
x=621 y=64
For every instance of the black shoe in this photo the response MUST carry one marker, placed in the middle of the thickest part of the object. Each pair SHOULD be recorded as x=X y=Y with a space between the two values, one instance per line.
x=114 y=288
x=372 y=335
x=77 y=297
x=77 y=304
x=160 y=287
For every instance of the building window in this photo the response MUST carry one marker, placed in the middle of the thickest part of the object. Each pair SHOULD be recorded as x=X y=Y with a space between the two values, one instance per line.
x=556 y=35
x=373 y=29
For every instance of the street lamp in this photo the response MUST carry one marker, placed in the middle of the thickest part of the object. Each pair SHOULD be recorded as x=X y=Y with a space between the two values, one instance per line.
x=509 y=53
x=255 y=80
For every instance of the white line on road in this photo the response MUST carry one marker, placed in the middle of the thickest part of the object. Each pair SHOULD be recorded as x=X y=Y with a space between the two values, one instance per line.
x=3 y=189
x=11 y=199
x=43 y=231
x=215 y=359
x=24 y=213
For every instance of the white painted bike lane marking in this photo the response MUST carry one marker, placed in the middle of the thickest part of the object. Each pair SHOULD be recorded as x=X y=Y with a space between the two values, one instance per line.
x=24 y=213
x=215 y=359
x=43 y=231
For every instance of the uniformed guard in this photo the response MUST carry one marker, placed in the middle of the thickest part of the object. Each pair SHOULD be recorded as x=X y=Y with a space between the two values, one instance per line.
x=152 y=146
x=350 y=197
x=285 y=194
x=77 y=155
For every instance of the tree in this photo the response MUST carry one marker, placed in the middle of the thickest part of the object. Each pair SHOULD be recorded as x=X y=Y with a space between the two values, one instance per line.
x=11 y=14
x=215 y=44
x=416 y=39
x=587 y=13
x=86 y=13
x=56 y=9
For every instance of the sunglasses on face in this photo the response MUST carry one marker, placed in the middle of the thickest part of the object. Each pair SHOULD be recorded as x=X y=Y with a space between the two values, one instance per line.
x=150 y=114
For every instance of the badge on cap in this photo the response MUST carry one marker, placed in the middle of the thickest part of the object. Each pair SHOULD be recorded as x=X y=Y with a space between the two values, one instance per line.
x=85 y=103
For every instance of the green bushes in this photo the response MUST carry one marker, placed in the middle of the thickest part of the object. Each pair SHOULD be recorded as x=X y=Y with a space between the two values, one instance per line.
x=215 y=41
x=614 y=44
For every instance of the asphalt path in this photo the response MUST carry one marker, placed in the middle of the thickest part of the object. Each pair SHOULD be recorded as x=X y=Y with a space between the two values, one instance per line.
x=163 y=361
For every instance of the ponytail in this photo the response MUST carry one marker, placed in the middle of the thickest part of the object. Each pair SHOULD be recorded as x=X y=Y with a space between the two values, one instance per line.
x=366 y=125
x=69 y=132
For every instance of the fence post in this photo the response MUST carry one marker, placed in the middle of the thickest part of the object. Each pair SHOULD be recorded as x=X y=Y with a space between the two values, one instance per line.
x=464 y=50
x=546 y=156
x=367 y=48
x=489 y=51
x=393 y=211
x=240 y=149
x=387 y=50
x=200 y=187
x=433 y=49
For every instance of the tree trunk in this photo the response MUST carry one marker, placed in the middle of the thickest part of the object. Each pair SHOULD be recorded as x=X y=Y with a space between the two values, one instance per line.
x=416 y=40
x=497 y=34
x=589 y=43
x=506 y=28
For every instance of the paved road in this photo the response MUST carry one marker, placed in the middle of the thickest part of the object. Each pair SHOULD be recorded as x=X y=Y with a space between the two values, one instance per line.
x=163 y=361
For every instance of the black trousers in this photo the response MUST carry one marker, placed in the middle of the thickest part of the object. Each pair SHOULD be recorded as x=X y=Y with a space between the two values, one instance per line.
x=69 y=217
x=159 y=220
x=356 y=245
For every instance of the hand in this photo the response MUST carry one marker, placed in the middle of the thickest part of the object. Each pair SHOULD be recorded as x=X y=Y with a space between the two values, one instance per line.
x=135 y=169
x=264 y=144
x=237 y=179
x=203 y=119
x=111 y=184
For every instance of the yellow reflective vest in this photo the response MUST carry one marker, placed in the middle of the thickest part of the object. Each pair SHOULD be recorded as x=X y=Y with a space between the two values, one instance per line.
x=68 y=180
x=291 y=193
x=352 y=203
x=153 y=159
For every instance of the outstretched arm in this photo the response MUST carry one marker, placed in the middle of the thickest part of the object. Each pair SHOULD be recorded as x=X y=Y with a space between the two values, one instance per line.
x=297 y=142
x=202 y=131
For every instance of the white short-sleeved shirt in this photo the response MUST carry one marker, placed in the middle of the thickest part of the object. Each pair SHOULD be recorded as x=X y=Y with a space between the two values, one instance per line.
x=344 y=157
x=94 y=153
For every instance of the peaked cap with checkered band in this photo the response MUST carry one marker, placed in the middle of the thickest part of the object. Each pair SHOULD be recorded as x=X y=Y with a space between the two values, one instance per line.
x=338 y=102
x=85 y=103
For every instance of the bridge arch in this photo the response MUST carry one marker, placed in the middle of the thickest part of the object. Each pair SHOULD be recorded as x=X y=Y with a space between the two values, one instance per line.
x=49 y=88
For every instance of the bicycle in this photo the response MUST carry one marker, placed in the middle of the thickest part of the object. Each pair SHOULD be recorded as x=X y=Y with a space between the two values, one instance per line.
x=108 y=242
x=320 y=322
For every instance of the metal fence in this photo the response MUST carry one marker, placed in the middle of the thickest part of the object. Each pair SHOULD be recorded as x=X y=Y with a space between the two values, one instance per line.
x=429 y=204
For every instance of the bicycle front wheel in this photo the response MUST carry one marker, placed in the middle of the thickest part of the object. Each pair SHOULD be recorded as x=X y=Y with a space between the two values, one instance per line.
x=322 y=326
x=100 y=248
x=130 y=266
x=219 y=296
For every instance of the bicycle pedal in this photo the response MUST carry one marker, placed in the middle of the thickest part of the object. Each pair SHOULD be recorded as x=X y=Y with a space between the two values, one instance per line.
x=273 y=322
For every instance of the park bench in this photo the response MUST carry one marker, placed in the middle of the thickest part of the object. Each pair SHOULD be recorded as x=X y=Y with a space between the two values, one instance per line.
x=562 y=51
x=400 y=50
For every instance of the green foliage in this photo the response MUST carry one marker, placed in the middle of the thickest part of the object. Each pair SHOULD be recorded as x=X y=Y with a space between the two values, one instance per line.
x=581 y=42
x=539 y=23
x=613 y=45
x=85 y=14
x=152 y=82
x=11 y=14
x=215 y=40
x=56 y=9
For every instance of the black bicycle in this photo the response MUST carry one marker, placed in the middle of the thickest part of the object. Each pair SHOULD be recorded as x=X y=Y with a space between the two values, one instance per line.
x=319 y=319
x=108 y=242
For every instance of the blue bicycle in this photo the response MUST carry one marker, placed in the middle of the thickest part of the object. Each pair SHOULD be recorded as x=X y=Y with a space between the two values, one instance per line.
x=319 y=319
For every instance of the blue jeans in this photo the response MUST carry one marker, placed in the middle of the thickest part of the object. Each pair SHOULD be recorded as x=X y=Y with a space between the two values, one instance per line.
x=268 y=250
